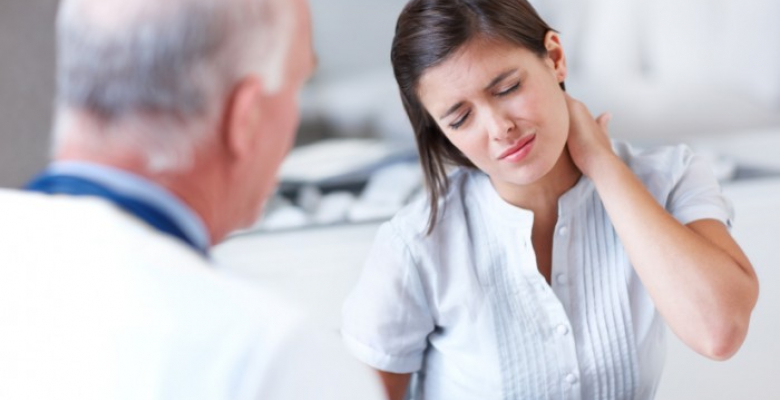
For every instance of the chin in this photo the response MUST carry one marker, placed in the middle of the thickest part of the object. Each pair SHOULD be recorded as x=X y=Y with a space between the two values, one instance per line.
x=527 y=174
x=523 y=180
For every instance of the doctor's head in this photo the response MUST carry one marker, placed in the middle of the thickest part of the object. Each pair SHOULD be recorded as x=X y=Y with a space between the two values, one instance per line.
x=480 y=79
x=198 y=95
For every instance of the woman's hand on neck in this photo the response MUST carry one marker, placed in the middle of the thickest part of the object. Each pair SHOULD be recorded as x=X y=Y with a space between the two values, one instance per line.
x=588 y=141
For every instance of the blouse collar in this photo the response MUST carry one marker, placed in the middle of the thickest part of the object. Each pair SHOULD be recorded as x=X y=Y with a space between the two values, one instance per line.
x=508 y=214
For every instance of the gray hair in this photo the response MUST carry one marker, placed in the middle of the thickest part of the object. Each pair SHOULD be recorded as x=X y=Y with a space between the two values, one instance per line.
x=154 y=74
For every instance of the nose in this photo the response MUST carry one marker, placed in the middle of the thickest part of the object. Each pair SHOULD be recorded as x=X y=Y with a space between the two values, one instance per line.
x=500 y=125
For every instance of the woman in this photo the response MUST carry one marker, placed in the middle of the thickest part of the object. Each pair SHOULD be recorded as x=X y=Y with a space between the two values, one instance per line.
x=547 y=265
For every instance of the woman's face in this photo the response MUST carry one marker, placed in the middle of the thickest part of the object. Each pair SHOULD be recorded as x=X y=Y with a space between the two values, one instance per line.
x=502 y=106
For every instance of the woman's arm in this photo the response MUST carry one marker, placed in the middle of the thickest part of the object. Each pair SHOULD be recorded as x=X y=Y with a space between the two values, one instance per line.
x=699 y=278
x=396 y=385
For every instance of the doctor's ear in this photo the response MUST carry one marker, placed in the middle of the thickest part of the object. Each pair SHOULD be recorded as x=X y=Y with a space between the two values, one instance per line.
x=243 y=117
x=555 y=58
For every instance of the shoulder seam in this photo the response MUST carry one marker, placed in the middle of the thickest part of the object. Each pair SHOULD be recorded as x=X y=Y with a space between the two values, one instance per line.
x=407 y=249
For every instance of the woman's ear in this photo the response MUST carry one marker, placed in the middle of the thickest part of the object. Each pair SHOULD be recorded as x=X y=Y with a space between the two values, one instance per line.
x=555 y=58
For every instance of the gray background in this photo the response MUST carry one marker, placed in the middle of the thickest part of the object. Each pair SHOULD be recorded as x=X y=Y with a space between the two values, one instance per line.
x=668 y=70
x=347 y=42
x=26 y=86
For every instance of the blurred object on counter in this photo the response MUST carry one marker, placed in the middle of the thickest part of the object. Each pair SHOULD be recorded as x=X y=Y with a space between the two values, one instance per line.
x=387 y=191
x=382 y=193
x=342 y=180
x=334 y=207
x=341 y=161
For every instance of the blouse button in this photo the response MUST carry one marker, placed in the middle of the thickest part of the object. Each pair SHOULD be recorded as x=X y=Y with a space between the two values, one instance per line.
x=561 y=279
x=563 y=231
x=571 y=379
x=562 y=329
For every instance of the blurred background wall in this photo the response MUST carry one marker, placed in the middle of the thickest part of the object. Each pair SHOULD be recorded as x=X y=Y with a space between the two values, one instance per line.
x=26 y=86
x=668 y=70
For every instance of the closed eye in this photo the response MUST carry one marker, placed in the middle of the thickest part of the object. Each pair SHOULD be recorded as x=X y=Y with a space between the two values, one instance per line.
x=509 y=90
x=457 y=124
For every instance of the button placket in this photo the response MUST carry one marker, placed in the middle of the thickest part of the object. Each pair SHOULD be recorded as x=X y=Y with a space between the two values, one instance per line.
x=562 y=330
x=563 y=230
x=569 y=365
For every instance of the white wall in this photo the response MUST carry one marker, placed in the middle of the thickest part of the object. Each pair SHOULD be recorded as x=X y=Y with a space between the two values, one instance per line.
x=353 y=36
x=668 y=70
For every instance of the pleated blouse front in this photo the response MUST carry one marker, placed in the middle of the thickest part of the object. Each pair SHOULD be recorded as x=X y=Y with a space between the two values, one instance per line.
x=467 y=309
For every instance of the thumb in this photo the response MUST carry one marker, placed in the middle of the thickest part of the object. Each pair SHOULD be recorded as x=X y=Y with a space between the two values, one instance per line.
x=603 y=120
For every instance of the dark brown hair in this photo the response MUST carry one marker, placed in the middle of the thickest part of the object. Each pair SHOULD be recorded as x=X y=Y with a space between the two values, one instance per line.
x=428 y=32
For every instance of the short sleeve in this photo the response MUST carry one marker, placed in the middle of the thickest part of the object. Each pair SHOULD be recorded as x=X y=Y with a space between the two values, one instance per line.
x=386 y=318
x=697 y=194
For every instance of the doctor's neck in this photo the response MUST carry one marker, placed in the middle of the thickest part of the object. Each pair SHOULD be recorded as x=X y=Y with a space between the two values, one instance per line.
x=200 y=179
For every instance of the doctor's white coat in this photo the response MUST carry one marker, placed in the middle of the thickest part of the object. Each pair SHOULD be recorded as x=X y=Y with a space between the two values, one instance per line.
x=95 y=304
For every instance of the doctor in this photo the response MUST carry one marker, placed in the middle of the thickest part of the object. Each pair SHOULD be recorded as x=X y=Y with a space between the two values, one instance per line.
x=172 y=119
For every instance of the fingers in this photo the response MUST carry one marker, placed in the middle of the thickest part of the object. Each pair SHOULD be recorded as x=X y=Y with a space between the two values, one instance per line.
x=571 y=102
x=579 y=109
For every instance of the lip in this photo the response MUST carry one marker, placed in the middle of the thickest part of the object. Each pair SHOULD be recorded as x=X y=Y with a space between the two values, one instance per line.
x=519 y=150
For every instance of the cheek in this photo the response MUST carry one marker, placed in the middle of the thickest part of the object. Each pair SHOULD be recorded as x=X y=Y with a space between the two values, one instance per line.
x=292 y=116
x=472 y=143
x=556 y=104
x=559 y=116
x=532 y=106
x=286 y=118
x=547 y=109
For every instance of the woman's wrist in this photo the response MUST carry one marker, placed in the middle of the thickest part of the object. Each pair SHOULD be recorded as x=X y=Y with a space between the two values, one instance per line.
x=598 y=165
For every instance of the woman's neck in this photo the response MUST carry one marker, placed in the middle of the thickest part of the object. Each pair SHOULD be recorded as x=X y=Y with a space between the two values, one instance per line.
x=542 y=195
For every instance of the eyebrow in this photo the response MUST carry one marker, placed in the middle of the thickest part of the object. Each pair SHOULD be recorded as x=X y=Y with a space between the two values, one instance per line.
x=452 y=110
x=492 y=83
x=500 y=78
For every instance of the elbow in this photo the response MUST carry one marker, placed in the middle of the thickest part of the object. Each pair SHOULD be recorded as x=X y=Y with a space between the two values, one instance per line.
x=723 y=342
x=727 y=337
x=722 y=350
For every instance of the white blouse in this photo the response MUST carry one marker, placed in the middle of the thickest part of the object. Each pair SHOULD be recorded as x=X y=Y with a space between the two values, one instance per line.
x=467 y=308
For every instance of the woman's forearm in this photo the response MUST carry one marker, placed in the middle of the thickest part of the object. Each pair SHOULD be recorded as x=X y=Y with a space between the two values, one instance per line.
x=701 y=282
x=395 y=385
